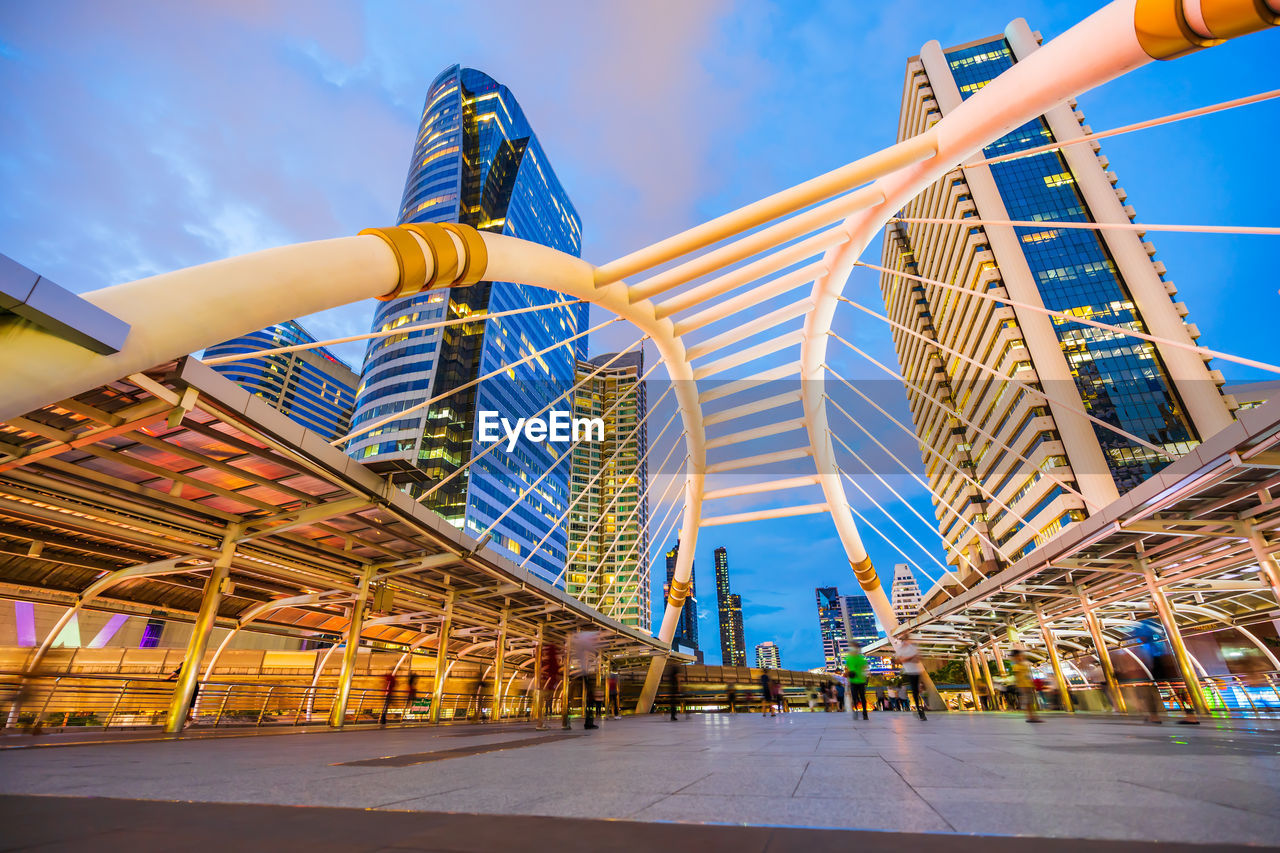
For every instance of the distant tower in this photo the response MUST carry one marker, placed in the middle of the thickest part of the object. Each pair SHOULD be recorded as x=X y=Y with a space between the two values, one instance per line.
x=905 y=594
x=608 y=562
x=768 y=656
x=831 y=627
x=733 y=645
x=687 y=628
x=859 y=620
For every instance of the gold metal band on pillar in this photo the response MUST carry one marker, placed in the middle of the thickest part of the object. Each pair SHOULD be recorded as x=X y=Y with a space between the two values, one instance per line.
x=448 y=266
x=1166 y=32
x=866 y=574
x=678 y=592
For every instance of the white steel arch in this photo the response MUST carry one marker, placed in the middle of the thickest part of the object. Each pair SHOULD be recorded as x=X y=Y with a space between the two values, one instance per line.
x=834 y=216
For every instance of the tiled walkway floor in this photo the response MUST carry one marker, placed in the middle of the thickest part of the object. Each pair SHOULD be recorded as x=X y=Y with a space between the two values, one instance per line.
x=1081 y=778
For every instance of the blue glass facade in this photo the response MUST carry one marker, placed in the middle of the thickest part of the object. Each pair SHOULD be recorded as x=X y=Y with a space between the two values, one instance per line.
x=312 y=387
x=477 y=161
x=1121 y=380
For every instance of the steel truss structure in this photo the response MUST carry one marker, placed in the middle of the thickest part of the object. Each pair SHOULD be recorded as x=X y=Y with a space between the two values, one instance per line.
x=799 y=245
x=1200 y=536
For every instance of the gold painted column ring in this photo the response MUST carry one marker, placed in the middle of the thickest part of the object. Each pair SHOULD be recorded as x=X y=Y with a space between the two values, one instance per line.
x=678 y=592
x=443 y=251
x=866 y=574
x=410 y=260
x=477 y=254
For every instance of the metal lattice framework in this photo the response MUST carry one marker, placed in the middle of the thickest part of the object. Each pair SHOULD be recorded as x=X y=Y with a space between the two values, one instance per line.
x=715 y=273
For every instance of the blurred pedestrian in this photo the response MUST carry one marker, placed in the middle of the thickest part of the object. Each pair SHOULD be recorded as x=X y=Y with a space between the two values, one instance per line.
x=855 y=666
x=1024 y=684
x=388 y=687
x=912 y=669
x=550 y=677
x=882 y=699
x=615 y=702
x=766 y=695
x=583 y=648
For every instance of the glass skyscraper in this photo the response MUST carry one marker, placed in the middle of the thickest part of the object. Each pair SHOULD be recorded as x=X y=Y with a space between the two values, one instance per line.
x=733 y=645
x=608 y=560
x=1009 y=468
x=313 y=387
x=477 y=161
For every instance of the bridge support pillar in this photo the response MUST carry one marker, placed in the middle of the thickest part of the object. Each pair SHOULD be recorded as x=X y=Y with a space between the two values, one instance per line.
x=973 y=683
x=1104 y=657
x=1268 y=564
x=986 y=677
x=185 y=690
x=1180 y=655
x=442 y=658
x=1050 y=644
x=499 y=656
x=351 y=652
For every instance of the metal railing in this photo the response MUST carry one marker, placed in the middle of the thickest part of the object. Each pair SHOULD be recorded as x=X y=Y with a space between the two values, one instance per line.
x=119 y=702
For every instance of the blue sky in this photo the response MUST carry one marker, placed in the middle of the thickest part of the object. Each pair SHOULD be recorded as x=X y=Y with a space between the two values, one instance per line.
x=142 y=137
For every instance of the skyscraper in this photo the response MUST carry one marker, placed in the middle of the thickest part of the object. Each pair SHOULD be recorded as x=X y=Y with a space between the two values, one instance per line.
x=733 y=643
x=687 y=628
x=608 y=560
x=904 y=593
x=477 y=161
x=768 y=656
x=1031 y=455
x=831 y=627
x=313 y=387
x=859 y=620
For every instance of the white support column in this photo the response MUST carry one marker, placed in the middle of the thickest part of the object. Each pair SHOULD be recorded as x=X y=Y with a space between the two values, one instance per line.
x=1050 y=644
x=359 y=609
x=1180 y=654
x=1205 y=407
x=1100 y=649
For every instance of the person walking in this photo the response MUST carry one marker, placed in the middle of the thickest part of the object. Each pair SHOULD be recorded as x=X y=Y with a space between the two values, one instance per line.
x=912 y=669
x=766 y=696
x=1024 y=684
x=855 y=667
x=615 y=702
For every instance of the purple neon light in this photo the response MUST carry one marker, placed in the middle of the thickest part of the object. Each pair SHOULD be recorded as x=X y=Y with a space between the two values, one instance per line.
x=108 y=631
x=25 y=616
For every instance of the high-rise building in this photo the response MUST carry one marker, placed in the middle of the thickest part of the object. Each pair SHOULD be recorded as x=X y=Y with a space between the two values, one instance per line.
x=768 y=656
x=904 y=593
x=608 y=560
x=477 y=161
x=831 y=627
x=733 y=643
x=687 y=628
x=859 y=620
x=980 y=428
x=843 y=619
x=312 y=387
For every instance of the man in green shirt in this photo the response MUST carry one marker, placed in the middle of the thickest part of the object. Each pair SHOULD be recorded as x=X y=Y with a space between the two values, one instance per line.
x=855 y=665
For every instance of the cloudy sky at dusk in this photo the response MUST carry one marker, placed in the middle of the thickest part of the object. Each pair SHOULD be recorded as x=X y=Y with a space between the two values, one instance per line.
x=144 y=137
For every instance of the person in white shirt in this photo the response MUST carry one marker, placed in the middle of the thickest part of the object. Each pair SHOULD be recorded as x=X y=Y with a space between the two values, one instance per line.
x=912 y=669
